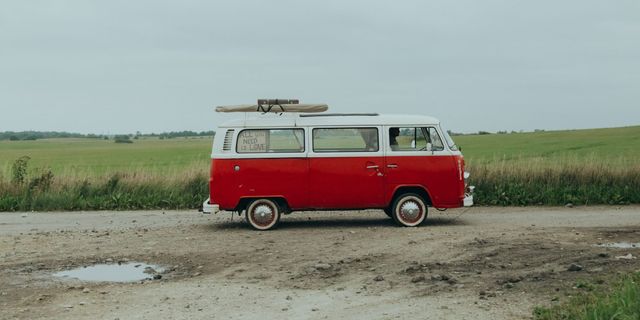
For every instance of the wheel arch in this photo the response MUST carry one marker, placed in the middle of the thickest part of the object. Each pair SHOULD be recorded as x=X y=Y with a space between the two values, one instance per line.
x=279 y=200
x=417 y=189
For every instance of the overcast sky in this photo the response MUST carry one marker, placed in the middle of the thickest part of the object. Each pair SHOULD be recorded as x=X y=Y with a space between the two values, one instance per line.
x=122 y=66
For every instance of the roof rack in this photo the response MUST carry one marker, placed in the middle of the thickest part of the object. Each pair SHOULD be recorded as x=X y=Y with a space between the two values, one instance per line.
x=276 y=106
x=341 y=115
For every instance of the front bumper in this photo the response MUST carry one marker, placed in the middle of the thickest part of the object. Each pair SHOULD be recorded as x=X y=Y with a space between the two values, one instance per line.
x=468 y=197
x=209 y=208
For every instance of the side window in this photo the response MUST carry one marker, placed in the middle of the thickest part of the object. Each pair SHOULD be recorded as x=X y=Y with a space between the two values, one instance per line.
x=414 y=139
x=434 y=138
x=345 y=140
x=270 y=140
x=407 y=139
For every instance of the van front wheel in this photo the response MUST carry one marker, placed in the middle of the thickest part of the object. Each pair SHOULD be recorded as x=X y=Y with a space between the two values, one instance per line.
x=409 y=210
x=263 y=214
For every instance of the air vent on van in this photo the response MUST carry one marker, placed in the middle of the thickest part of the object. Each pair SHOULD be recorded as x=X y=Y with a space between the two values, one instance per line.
x=228 y=137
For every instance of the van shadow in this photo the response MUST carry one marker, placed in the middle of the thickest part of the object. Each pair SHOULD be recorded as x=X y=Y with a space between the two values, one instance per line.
x=327 y=222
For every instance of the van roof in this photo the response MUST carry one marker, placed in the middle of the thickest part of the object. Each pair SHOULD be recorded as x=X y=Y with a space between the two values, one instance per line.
x=327 y=119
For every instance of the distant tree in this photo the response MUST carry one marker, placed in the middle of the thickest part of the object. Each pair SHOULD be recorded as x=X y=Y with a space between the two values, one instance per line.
x=122 y=139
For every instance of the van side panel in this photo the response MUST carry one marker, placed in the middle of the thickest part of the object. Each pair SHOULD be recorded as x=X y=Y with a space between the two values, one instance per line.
x=437 y=174
x=221 y=184
x=260 y=178
x=346 y=182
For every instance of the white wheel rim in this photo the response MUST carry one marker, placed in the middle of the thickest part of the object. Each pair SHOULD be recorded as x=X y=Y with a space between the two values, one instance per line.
x=262 y=214
x=411 y=211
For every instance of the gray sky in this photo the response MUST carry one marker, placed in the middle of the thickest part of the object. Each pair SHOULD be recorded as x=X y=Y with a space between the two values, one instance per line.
x=122 y=66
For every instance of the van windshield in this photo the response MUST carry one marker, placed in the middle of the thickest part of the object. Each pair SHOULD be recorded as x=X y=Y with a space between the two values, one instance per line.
x=447 y=137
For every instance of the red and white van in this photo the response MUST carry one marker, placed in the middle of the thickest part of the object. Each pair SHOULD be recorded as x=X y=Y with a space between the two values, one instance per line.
x=268 y=164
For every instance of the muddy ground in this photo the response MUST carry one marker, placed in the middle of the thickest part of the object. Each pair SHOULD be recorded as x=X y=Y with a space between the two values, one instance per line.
x=481 y=263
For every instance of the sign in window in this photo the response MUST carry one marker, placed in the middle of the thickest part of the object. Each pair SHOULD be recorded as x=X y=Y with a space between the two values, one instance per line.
x=270 y=140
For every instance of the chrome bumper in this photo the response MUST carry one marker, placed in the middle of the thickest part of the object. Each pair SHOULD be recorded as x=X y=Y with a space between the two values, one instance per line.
x=209 y=208
x=468 y=197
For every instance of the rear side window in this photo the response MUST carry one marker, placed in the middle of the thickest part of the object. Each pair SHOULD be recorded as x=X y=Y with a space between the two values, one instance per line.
x=270 y=140
x=345 y=140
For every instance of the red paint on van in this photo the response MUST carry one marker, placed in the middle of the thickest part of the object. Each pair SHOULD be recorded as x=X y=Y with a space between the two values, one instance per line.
x=336 y=182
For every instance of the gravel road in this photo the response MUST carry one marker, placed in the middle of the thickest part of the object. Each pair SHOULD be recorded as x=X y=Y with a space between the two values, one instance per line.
x=478 y=263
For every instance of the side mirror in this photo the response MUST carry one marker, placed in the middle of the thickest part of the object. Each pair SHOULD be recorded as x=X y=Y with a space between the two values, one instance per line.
x=429 y=146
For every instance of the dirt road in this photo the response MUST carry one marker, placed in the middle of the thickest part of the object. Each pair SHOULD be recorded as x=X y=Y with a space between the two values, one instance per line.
x=485 y=263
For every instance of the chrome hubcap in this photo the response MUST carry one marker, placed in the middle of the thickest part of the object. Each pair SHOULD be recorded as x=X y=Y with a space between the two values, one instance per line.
x=263 y=214
x=410 y=210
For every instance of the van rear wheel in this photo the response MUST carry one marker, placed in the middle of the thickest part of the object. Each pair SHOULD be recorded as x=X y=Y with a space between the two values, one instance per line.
x=263 y=214
x=409 y=210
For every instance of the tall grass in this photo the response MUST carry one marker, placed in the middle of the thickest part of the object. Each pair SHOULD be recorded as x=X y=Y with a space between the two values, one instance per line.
x=543 y=182
x=521 y=183
x=621 y=301
x=119 y=191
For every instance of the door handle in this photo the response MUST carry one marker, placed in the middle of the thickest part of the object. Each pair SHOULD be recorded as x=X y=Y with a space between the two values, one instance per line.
x=374 y=166
x=392 y=166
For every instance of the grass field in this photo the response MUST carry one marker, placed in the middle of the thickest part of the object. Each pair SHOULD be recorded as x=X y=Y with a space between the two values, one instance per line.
x=581 y=166
x=613 y=146
x=76 y=157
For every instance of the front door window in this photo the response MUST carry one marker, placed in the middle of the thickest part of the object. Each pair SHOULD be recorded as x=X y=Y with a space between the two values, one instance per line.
x=415 y=139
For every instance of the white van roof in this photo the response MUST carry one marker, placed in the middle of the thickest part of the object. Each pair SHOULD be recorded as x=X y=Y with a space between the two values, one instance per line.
x=327 y=119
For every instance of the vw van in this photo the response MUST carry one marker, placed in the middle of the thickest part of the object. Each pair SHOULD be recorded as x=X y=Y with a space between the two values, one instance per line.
x=283 y=157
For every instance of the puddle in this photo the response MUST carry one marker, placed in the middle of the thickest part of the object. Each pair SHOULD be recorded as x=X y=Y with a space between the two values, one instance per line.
x=621 y=245
x=125 y=272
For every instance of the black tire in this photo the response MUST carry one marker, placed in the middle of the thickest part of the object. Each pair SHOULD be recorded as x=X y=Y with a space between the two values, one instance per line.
x=263 y=214
x=388 y=212
x=409 y=210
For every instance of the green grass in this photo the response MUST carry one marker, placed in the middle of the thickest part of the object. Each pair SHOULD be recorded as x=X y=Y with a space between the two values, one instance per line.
x=597 y=166
x=620 y=301
x=614 y=146
x=75 y=157
x=117 y=192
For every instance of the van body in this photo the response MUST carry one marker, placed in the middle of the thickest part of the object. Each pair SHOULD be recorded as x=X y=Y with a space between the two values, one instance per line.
x=335 y=162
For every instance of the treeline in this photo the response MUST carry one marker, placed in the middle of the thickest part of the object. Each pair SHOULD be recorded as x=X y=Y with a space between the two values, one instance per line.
x=179 y=134
x=482 y=132
x=36 y=135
